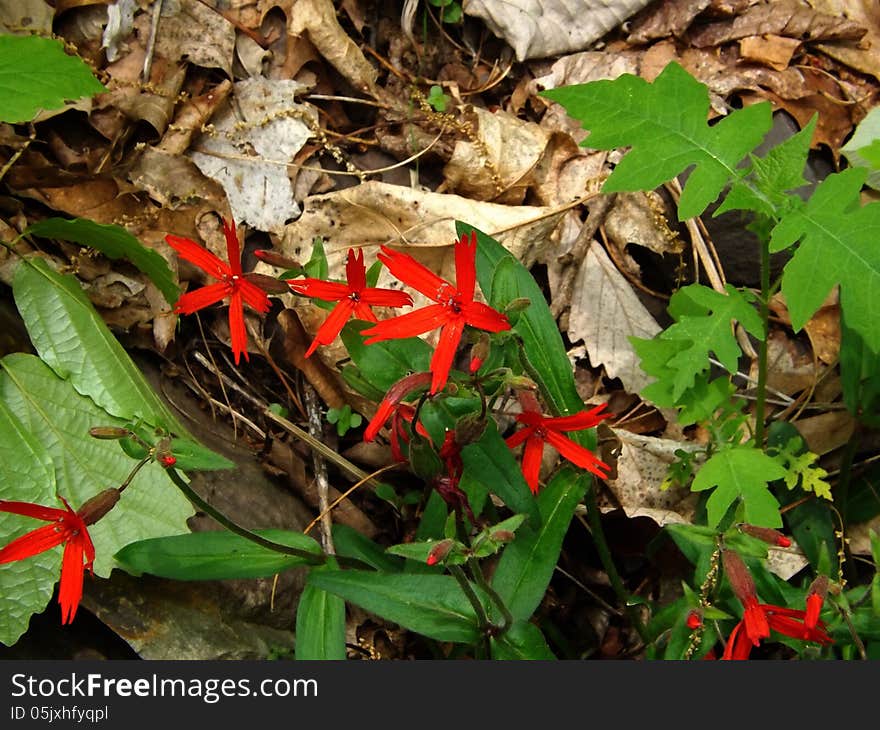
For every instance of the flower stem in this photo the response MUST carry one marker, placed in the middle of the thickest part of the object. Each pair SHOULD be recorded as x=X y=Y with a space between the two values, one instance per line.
x=486 y=627
x=764 y=313
x=481 y=581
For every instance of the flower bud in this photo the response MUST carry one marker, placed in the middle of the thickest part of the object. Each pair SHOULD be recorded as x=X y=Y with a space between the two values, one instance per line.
x=108 y=432
x=273 y=258
x=98 y=506
x=502 y=536
x=520 y=304
x=163 y=453
x=440 y=551
x=268 y=284
x=470 y=428
x=815 y=599
x=694 y=619
x=740 y=579
x=767 y=534
x=479 y=352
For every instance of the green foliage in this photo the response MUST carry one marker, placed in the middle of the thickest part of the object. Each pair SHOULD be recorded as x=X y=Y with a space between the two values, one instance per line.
x=384 y=363
x=36 y=74
x=344 y=419
x=863 y=148
x=450 y=12
x=320 y=624
x=802 y=470
x=214 y=555
x=741 y=473
x=523 y=641
x=437 y=99
x=666 y=125
x=115 y=243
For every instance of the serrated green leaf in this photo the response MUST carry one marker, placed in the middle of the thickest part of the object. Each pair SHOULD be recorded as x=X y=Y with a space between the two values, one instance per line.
x=838 y=245
x=214 y=555
x=115 y=243
x=74 y=341
x=666 y=125
x=320 y=624
x=36 y=74
x=432 y=605
x=384 y=363
x=27 y=475
x=522 y=641
x=59 y=418
x=527 y=564
x=741 y=473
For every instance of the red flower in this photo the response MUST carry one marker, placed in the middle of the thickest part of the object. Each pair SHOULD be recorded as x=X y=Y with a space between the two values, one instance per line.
x=540 y=430
x=400 y=413
x=455 y=306
x=230 y=283
x=355 y=298
x=694 y=619
x=68 y=528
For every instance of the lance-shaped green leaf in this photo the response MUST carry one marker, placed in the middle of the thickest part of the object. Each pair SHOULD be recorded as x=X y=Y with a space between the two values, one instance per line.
x=215 y=555
x=384 y=363
x=115 y=243
x=60 y=418
x=741 y=473
x=666 y=124
x=74 y=341
x=523 y=641
x=838 y=246
x=432 y=605
x=527 y=563
x=353 y=544
x=320 y=625
x=27 y=475
x=36 y=74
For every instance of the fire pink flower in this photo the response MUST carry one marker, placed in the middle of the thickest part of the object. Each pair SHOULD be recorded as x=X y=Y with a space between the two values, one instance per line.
x=399 y=413
x=355 y=298
x=540 y=430
x=230 y=283
x=67 y=528
x=455 y=306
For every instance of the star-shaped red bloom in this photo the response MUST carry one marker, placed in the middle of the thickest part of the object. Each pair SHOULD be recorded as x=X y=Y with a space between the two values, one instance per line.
x=355 y=298
x=67 y=528
x=455 y=306
x=540 y=430
x=230 y=283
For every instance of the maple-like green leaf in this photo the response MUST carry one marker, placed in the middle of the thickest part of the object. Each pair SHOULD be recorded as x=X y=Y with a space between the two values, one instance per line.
x=36 y=74
x=801 y=468
x=741 y=472
x=666 y=124
x=838 y=246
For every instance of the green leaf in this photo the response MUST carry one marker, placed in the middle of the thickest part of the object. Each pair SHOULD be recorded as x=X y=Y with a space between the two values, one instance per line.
x=522 y=641
x=316 y=267
x=59 y=418
x=863 y=148
x=384 y=363
x=115 y=243
x=741 y=472
x=74 y=341
x=27 y=475
x=320 y=624
x=36 y=74
x=214 y=555
x=192 y=456
x=859 y=375
x=432 y=605
x=527 y=564
x=838 y=246
x=666 y=125
x=352 y=544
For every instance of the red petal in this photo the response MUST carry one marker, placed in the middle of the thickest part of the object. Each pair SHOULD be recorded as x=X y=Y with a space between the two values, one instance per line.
x=444 y=354
x=531 y=462
x=405 y=268
x=578 y=421
x=71 y=587
x=385 y=297
x=363 y=312
x=331 y=326
x=483 y=317
x=355 y=271
x=237 y=330
x=465 y=266
x=329 y=291
x=233 y=249
x=378 y=420
x=200 y=256
x=28 y=509
x=517 y=438
x=757 y=627
x=204 y=297
x=738 y=646
x=410 y=324
x=577 y=454
x=34 y=542
x=255 y=297
x=814 y=608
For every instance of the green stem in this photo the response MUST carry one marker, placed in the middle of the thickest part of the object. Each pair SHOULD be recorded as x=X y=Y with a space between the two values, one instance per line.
x=481 y=581
x=193 y=497
x=764 y=313
x=595 y=521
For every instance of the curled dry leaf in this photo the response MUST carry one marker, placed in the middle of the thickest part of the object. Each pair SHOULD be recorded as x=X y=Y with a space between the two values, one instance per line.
x=660 y=20
x=605 y=312
x=192 y=30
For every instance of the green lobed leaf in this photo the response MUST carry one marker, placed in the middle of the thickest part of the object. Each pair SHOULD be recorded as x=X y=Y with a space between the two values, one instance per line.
x=27 y=475
x=384 y=363
x=36 y=74
x=431 y=605
x=115 y=243
x=838 y=245
x=320 y=624
x=665 y=123
x=741 y=473
x=74 y=341
x=59 y=418
x=527 y=563
x=214 y=555
x=522 y=641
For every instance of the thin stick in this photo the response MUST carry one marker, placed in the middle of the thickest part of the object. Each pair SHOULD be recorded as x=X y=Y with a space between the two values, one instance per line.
x=344 y=495
x=316 y=429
